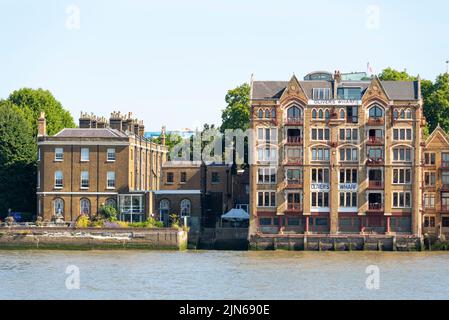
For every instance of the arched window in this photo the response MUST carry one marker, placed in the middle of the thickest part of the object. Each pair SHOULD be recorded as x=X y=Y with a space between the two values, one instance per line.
x=408 y=114
x=294 y=113
x=164 y=204
x=111 y=202
x=342 y=113
x=327 y=114
x=85 y=206
x=58 y=206
x=185 y=207
x=320 y=114
x=395 y=114
x=376 y=112
x=314 y=114
x=267 y=113
x=260 y=113
x=273 y=113
x=402 y=114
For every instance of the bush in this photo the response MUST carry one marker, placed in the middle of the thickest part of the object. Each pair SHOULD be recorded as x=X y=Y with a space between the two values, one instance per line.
x=82 y=221
x=109 y=212
x=174 y=221
x=150 y=223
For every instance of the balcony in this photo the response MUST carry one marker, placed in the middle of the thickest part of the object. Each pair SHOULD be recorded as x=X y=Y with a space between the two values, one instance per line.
x=294 y=208
x=294 y=140
x=294 y=184
x=375 y=141
x=376 y=185
x=293 y=122
x=293 y=161
x=371 y=161
x=375 y=121
x=375 y=207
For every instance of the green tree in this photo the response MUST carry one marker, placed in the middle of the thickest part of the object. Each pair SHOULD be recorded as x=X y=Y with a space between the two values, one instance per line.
x=236 y=115
x=394 y=75
x=436 y=103
x=171 y=140
x=33 y=101
x=18 y=155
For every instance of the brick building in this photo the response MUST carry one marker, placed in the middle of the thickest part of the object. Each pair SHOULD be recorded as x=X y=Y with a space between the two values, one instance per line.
x=336 y=153
x=101 y=162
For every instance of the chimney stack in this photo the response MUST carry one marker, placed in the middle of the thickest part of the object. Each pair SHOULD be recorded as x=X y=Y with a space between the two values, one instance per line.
x=141 y=129
x=42 y=125
x=116 y=121
x=85 y=120
x=163 y=136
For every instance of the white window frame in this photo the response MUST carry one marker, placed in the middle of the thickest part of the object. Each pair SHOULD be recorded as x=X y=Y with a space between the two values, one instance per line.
x=429 y=200
x=354 y=154
x=57 y=185
x=110 y=151
x=399 y=195
x=398 y=170
x=59 y=154
x=270 y=195
x=266 y=173
x=405 y=132
x=84 y=154
x=108 y=179
x=323 y=132
x=317 y=206
x=84 y=176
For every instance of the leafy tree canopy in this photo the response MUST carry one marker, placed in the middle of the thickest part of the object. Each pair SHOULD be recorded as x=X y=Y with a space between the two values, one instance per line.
x=33 y=101
x=236 y=115
x=394 y=75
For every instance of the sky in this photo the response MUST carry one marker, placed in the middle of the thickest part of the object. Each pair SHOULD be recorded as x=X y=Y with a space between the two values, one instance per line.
x=172 y=62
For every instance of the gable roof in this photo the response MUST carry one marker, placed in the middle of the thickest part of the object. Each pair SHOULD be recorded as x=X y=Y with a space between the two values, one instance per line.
x=438 y=131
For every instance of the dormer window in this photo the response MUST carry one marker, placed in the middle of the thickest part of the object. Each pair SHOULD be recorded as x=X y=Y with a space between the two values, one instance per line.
x=349 y=93
x=321 y=94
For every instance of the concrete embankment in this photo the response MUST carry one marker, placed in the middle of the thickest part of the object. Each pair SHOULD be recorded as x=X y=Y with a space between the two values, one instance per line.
x=336 y=242
x=92 y=238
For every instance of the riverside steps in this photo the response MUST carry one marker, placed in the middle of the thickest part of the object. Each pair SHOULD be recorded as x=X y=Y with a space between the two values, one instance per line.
x=63 y=238
x=341 y=242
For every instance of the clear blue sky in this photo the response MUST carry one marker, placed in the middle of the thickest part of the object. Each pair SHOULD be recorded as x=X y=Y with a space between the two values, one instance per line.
x=171 y=62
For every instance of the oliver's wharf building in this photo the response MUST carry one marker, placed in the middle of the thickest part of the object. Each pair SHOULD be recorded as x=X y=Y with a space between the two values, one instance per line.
x=101 y=162
x=337 y=154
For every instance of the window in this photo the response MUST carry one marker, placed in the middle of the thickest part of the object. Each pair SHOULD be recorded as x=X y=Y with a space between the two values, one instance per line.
x=111 y=203
x=183 y=177
x=215 y=178
x=59 y=154
x=320 y=175
x=38 y=183
x=445 y=222
x=84 y=154
x=445 y=159
x=349 y=134
x=429 y=179
x=294 y=154
x=342 y=113
x=58 y=206
x=170 y=177
x=267 y=175
x=321 y=93
x=402 y=154
x=429 y=200
x=58 y=179
x=320 y=134
x=402 y=176
x=260 y=113
x=314 y=114
x=376 y=112
x=267 y=153
x=401 y=199
x=294 y=113
x=402 y=134
x=376 y=153
x=84 y=179
x=349 y=93
x=85 y=206
x=294 y=175
x=320 y=199
x=320 y=154
x=110 y=177
x=265 y=221
x=348 y=199
x=38 y=154
x=348 y=176
x=349 y=154
x=266 y=199
x=267 y=134
x=111 y=154
x=429 y=222
x=185 y=207
x=445 y=178
x=429 y=158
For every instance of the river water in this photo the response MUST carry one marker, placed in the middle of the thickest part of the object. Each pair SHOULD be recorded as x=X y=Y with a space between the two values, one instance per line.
x=222 y=275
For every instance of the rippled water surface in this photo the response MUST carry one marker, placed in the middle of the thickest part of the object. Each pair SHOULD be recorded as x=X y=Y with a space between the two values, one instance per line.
x=222 y=275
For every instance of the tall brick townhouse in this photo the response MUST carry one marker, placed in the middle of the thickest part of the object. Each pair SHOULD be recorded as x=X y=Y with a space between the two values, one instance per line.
x=337 y=153
x=101 y=162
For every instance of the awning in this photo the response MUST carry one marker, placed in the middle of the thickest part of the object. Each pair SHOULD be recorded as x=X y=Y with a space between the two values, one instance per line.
x=236 y=214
